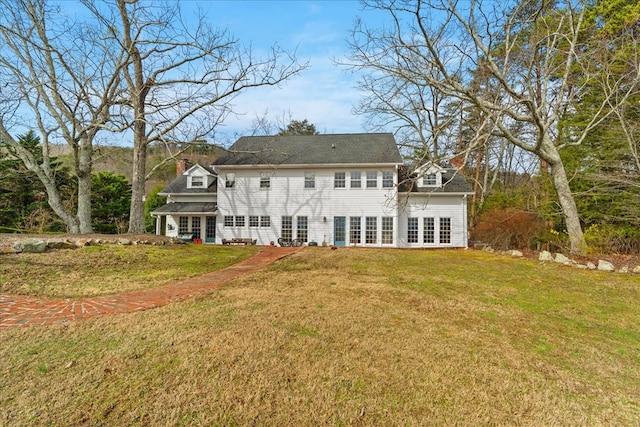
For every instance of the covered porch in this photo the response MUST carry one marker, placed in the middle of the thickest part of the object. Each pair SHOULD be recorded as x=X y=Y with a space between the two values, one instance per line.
x=190 y=220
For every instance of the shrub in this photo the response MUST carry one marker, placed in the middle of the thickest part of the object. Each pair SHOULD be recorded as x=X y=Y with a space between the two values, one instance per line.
x=508 y=228
x=609 y=238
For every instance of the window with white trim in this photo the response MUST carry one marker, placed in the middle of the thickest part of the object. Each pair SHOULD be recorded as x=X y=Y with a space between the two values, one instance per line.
x=354 y=229
x=302 y=231
x=430 y=180
x=412 y=230
x=339 y=180
x=239 y=221
x=265 y=180
x=309 y=180
x=183 y=224
x=287 y=228
x=356 y=179
x=387 y=179
x=387 y=230
x=265 y=221
x=445 y=231
x=372 y=179
x=429 y=231
x=196 y=227
x=228 y=220
x=197 y=181
x=230 y=180
x=254 y=221
x=371 y=230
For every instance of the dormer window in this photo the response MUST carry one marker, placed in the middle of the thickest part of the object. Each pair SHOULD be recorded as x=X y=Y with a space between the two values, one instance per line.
x=430 y=180
x=197 y=181
x=230 y=180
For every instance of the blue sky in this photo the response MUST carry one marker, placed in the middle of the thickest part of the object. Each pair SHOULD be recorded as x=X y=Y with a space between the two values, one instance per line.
x=324 y=94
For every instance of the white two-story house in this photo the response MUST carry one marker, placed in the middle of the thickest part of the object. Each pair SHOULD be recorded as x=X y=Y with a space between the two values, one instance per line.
x=348 y=189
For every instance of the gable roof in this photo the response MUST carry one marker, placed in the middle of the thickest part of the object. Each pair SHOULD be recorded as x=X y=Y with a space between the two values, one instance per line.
x=330 y=149
x=179 y=185
x=452 y=182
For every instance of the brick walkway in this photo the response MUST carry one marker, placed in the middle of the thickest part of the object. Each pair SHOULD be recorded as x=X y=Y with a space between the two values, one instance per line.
x=19 y=310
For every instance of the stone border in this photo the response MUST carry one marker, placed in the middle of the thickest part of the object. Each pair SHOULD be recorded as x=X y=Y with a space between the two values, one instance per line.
x=546 y=256
x=36 y=245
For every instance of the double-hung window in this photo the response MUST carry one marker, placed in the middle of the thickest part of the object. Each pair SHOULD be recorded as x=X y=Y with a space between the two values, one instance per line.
x=356 y=179
x=230 y=180
x=287 y=228
x=265 y=180
x=430 y=180
x=309 y=180
x=412 y=230
x=254 y=221
x=429 y=232
x=228 y=220
x=265 y=221
x=445 y=231
x=354 y=230
x=387 y=179
x=371 y=230
x=387 y=230
x=372 y=179
x=302 y=231
x=339 y=180
x=239 y=221
x=197 y=181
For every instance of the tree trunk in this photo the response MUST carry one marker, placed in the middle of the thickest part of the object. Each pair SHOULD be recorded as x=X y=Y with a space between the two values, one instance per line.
x=136 y=213
x=569 y=208
x=83 y=171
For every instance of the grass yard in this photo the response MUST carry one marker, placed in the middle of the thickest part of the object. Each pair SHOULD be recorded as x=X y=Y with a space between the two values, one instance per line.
x=348 y=337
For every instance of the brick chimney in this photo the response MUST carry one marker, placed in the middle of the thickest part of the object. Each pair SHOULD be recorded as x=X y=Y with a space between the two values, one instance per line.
x=181 y=166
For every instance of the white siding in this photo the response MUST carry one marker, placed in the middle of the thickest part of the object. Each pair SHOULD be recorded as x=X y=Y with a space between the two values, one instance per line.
x=288 y=197
x=435 y=206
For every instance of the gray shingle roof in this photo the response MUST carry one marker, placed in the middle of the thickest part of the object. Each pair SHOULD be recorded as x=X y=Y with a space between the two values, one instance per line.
x=452 y=182
x=362 y=148
x=186 y=208
x=179 y=185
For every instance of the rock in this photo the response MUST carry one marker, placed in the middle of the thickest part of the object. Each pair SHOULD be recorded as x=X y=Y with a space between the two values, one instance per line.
x=605 y=266
x=123 y=241
x=624 y=269
x=7 y=250
x=82 y=243
x=561 y=259
x=582 y=267
x=545 y=256
x=636 y=269
x=59 y=244
x=30 y=245
x=515 y=253
x=591 y=266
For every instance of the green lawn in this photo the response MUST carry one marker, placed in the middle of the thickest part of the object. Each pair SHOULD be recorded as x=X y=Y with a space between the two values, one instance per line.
x=347 y=337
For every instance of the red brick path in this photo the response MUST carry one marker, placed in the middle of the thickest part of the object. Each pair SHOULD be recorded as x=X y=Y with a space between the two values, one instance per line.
x=19 y=310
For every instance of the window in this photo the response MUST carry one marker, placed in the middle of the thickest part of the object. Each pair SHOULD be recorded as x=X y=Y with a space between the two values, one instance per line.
x=265 y=221
x=239 y=221
x=339 y=180
x=387 y=230
x=387 y=179
x=430 y=180
x=287 y=228
x=195 y=227
x=228 y=220
x=183 y=224
x=445 y=230
x=309 y=180
x=254 y=221
x=372 y=179
x=371 y=229
x=230 y=180
x=303 y=228
x=356 y=180
x=412 y=230
x=265 y=180
x=197 y=181
x=354 y=230
x=429 y=231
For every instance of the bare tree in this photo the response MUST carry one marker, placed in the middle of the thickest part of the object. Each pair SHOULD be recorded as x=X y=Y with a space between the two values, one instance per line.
x=57 y=82
x=531 y=52
x=182 y=76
